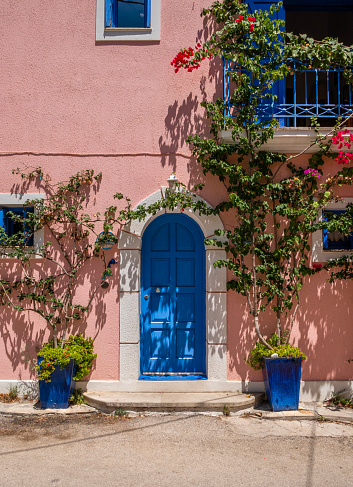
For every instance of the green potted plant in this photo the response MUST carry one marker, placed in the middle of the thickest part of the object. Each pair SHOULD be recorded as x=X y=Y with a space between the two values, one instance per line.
x=272 y=204
x=51 y=269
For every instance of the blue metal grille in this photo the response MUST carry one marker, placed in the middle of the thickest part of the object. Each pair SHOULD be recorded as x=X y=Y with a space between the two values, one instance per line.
x=305 y=93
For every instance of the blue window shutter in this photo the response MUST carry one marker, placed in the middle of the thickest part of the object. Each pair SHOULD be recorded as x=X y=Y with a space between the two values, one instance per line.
x=109 y=13
x=279 y=88
x=265 y=5
x=147 y=13
x=3 y=219
x=324 y=233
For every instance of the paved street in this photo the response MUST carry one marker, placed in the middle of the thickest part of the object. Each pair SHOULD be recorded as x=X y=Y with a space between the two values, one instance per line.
x=173 y=450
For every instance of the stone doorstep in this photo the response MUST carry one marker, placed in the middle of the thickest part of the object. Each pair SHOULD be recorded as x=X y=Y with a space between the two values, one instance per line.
x=171 y=401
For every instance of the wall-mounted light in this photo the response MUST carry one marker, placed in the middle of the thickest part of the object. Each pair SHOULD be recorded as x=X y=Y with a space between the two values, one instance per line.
x=172 y=180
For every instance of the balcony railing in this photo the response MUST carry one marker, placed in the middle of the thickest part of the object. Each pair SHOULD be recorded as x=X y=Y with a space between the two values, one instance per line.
x=305 y=93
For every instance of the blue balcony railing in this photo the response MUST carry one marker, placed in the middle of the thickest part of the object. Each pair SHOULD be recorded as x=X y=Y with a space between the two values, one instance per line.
x=305 y=93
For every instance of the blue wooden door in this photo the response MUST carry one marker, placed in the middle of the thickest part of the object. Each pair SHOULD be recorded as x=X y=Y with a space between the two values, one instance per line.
x=173 y=331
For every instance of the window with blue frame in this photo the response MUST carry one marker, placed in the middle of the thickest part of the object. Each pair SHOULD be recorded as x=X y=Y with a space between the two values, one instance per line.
x=13 y=227
x=128 y=14
x=335 y=240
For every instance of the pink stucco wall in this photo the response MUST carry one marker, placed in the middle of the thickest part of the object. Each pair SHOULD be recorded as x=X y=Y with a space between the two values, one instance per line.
x=69 y=103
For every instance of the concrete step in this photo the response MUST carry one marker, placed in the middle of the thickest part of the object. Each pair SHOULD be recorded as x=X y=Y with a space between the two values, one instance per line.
x=171 y=401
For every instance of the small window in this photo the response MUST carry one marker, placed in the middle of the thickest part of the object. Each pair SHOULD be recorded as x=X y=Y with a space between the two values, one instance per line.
x=128 y=14
x=128 y=20
x=335 y=240
x=13 y=227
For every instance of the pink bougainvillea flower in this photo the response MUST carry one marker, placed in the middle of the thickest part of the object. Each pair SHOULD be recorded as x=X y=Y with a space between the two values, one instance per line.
x=312 y=172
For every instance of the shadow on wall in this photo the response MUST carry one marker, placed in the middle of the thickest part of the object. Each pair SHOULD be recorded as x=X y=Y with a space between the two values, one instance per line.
x=189 y=118
x=326 y=331
x=323 y=331
x=24 y=333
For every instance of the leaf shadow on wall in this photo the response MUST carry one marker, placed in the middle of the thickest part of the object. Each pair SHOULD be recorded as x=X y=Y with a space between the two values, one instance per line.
x=322 y=331
x=23 y=333
x=188 y=117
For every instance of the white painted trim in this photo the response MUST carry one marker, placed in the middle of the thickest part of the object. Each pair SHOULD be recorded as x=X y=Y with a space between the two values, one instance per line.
x=318 y=253
x=126 y=35
x=309 y=390
x=288 y=140
x=19 y=199
x=130 y=271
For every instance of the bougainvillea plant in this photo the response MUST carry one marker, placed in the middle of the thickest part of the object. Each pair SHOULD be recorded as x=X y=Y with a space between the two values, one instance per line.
x=49 y=274
x=273 y=204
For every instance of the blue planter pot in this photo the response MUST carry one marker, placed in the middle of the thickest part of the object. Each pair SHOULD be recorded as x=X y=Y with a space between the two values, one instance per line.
x=282 y=382
x=56 y=393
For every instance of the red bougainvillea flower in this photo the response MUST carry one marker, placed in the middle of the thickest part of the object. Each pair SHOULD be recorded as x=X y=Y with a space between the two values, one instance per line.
x=186 y=58
x=251 y=19
x=239 y=19
x=340 y=140
x=251 y=27
x=317 y=267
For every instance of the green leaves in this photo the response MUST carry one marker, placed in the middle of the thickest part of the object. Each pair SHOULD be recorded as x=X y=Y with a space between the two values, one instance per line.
x=76 y=347
x=48 y=285
x=279 y=346
x=271 y=206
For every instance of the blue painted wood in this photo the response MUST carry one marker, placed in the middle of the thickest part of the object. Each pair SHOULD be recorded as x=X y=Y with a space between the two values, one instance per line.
x=173 y=331
x=172 y=377
x=56 y=393
x=279 y=87
x=110 y=18
x=282 y=382
x=330 y=83
x=303 y=107
x=2 y=219
x=147 y=13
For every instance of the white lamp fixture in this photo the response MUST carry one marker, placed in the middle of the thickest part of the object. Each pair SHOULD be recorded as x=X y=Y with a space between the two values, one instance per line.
x=172 y=180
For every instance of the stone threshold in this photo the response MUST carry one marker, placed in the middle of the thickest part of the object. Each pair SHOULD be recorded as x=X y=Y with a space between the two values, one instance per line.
x=172 y=401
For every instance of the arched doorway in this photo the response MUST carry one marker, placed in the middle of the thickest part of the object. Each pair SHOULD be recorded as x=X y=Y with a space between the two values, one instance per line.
x=173 y=298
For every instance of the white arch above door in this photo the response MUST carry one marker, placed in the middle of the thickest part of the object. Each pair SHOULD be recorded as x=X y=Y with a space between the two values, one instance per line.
x=216 y=295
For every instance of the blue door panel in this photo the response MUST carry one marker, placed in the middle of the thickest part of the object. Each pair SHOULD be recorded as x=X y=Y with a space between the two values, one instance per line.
x=185 y=272
x=184 y=239
x=160 y=272
x=185 y=342
x=173 y=330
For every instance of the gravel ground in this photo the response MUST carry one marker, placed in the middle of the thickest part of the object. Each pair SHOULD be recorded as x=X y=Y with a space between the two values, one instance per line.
x=173 y=450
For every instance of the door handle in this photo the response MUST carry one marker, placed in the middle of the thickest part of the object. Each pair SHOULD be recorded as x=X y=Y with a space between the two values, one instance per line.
x=146 y=296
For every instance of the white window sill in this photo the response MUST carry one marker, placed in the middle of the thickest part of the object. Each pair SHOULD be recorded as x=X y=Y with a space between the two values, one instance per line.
x=127 y=29
x=288 y=140
x=5 y=252
x=120 y=34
